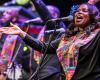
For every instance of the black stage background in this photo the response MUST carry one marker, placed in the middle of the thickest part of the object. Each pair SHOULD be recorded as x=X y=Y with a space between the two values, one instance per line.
x=63 y=5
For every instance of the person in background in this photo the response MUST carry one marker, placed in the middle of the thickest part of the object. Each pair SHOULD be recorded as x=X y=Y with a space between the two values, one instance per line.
x=38 y=24
x=11 y=15
x=8 y=16
x=77 y=50
x=47 y=13
x=11 y=48
x=15 y=45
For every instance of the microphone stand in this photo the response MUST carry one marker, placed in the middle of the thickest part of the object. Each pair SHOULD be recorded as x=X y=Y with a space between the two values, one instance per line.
x=34 y=76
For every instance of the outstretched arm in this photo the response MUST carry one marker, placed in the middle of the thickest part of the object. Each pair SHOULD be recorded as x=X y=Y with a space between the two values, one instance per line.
x=34 y=43
x=13 y=29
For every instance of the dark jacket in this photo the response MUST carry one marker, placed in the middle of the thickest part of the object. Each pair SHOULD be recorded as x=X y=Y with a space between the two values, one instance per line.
x=50 y=65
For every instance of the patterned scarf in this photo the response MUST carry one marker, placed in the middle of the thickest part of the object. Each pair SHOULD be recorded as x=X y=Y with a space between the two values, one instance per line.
x=8 y=49
x=68 y=51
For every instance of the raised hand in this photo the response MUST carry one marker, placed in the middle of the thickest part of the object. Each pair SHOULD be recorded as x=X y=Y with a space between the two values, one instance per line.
x=13 y=29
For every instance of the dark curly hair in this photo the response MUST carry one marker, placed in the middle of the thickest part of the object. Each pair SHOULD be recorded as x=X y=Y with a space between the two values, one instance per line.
x=94 y=21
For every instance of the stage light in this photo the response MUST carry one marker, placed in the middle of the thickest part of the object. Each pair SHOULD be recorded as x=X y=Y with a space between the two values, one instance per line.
x=22 y=2
x=25 y=48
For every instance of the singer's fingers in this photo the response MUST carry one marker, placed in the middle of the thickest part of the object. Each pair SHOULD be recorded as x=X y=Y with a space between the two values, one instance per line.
x=2 y=29
x=13 y=25
x=8 y=30
x=14 y=29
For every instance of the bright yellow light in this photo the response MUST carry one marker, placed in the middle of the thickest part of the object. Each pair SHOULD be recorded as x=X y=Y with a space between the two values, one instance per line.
x=22 y=2
x=25 y=48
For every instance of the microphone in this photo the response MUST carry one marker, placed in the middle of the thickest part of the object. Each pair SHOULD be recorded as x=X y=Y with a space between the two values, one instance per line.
x=61 y=30
x=34 y=22
x=68 y=18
